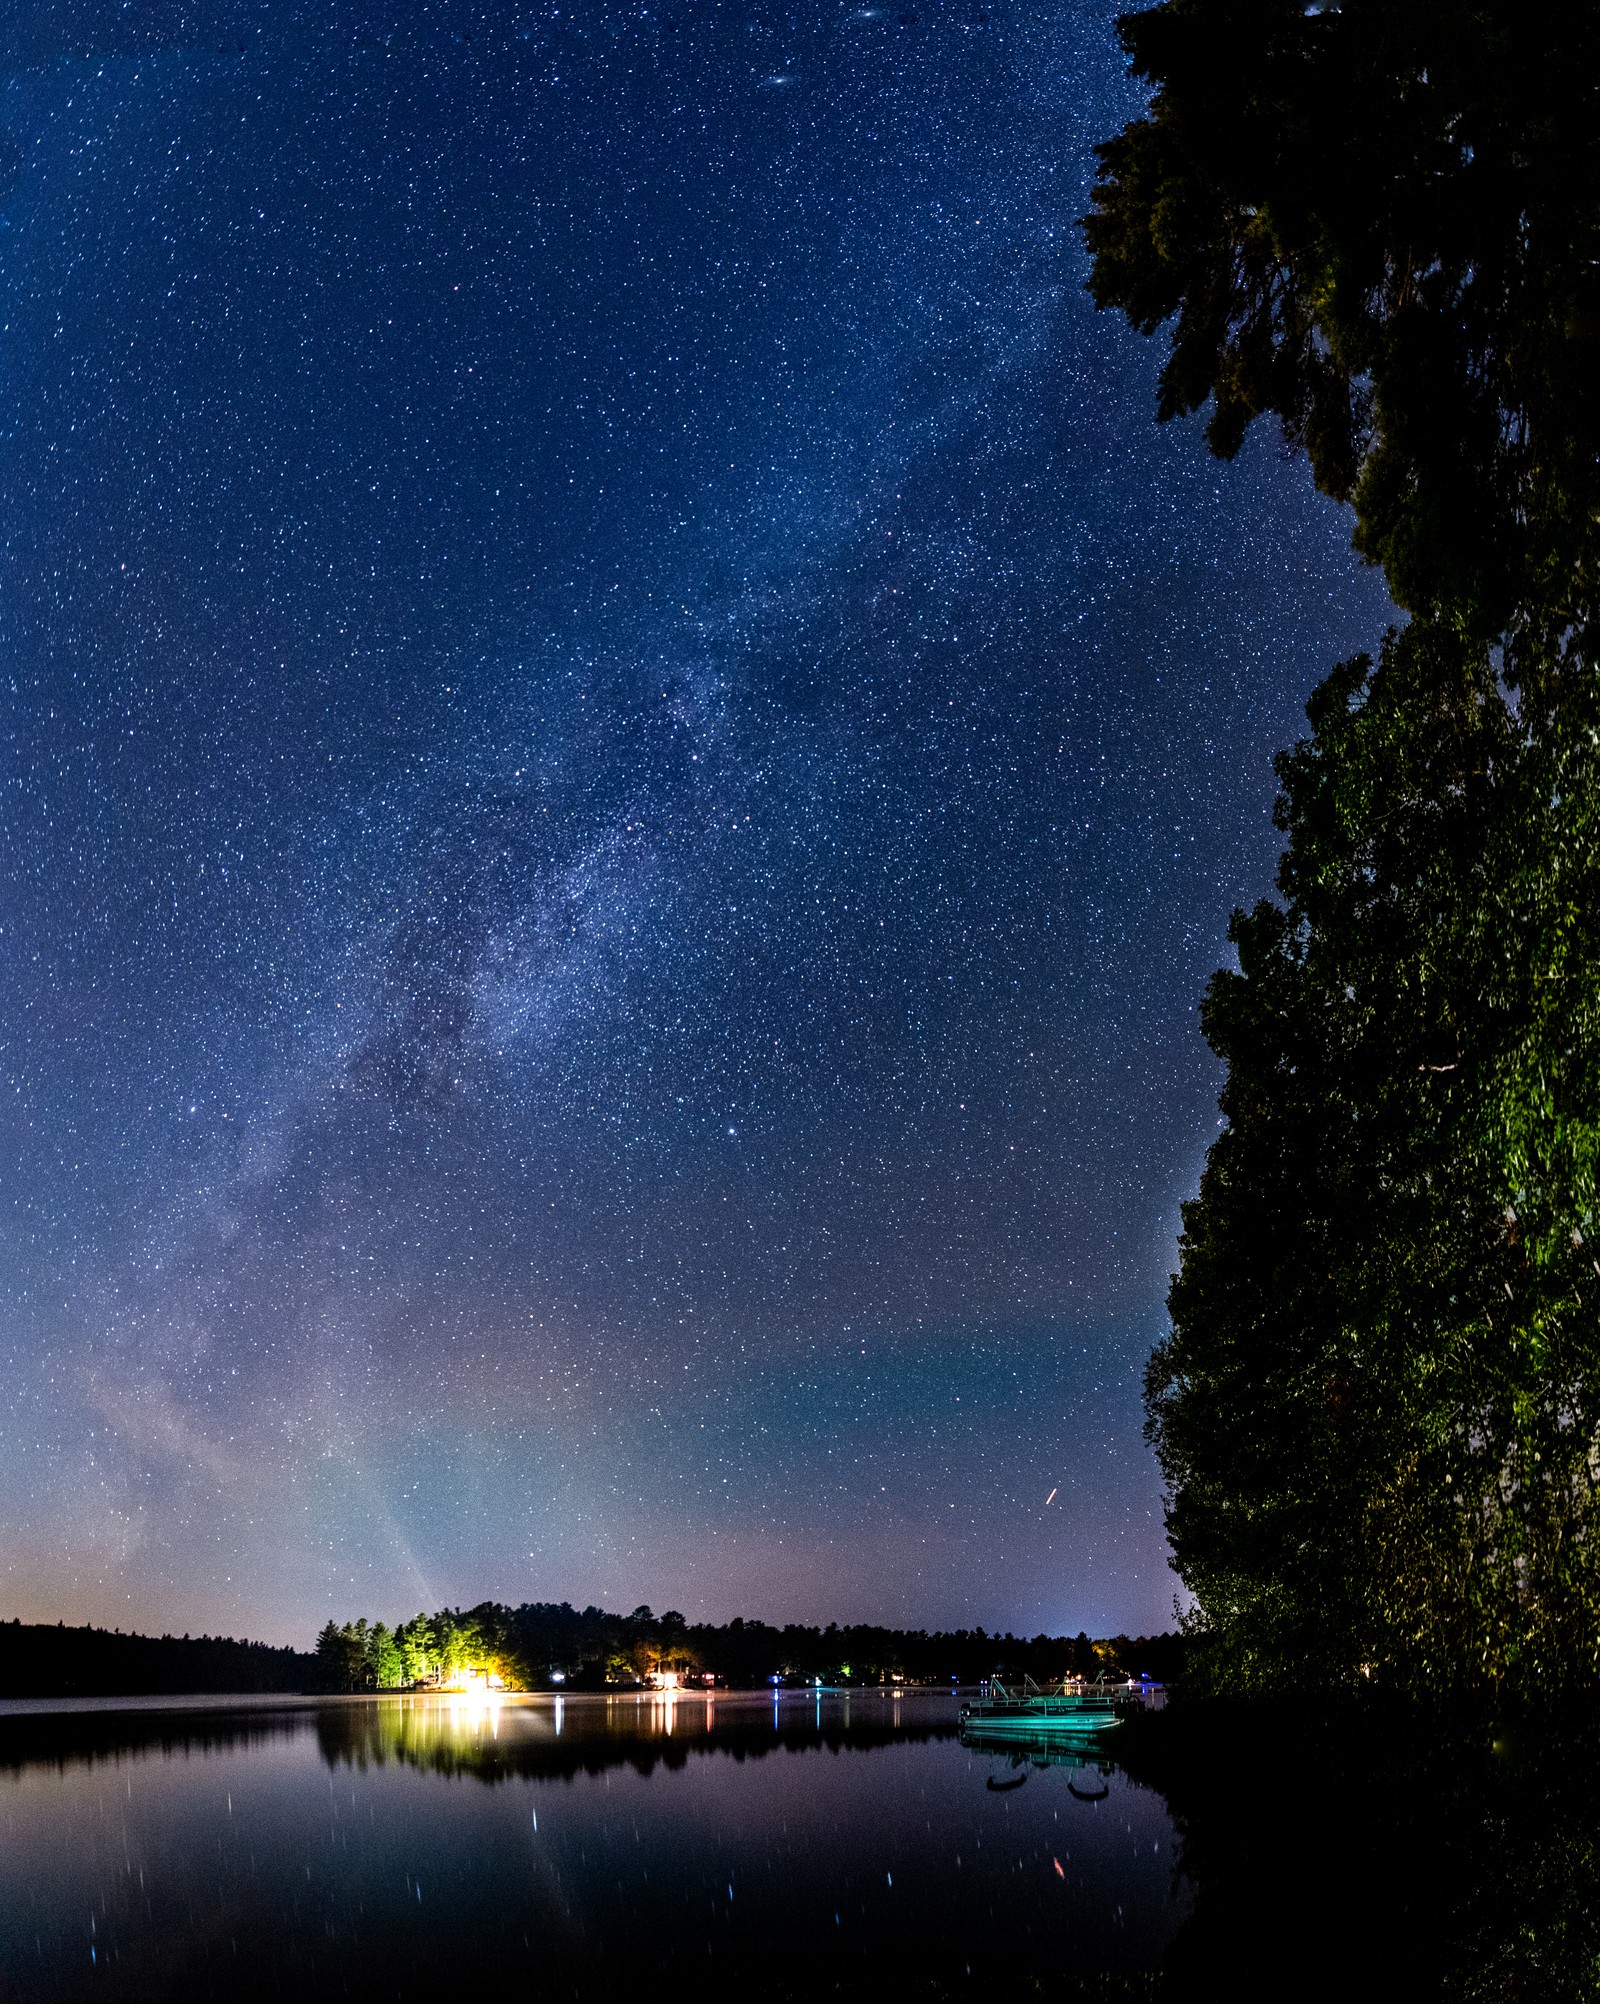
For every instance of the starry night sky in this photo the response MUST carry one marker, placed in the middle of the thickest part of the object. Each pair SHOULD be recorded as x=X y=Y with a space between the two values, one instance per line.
x=625 y=753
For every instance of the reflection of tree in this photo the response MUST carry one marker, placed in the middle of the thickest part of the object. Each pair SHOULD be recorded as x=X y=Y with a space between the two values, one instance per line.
x=489 y=1743
x=72 y=1739
x=494 y=1744
x=1429 y=1857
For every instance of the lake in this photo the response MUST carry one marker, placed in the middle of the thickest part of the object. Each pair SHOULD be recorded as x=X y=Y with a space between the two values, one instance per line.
x=580 y=1848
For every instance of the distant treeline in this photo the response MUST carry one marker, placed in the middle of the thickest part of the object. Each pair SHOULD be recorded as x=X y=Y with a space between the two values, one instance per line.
x=61 y=1662
x=542 y=1644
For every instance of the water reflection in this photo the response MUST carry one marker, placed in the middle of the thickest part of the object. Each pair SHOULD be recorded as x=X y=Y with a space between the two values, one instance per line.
x=1014 y=1758
x=785 y=1849
x=34 y=1740
x=581 y=1849
x=494 y=1740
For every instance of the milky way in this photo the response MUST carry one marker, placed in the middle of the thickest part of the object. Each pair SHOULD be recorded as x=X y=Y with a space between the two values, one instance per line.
x=626 y=752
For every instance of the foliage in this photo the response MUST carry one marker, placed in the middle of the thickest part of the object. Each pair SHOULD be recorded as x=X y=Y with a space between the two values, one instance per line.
x=383 y=1663
x=527 y=1645
x=39 y=1661
x=1380 y=221
x=1378 y=1410
x=540 y=1643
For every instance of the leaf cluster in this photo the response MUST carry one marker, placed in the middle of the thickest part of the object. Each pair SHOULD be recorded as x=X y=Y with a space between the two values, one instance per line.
x=1378 y=1408
x=1379 y=222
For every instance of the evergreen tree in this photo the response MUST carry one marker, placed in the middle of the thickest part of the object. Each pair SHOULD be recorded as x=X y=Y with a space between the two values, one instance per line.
x=330 y=1657
x=383 y=1660
x=418 y=1656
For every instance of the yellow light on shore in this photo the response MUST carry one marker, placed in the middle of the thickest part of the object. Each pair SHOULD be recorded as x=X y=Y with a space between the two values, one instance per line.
x=469 y=1682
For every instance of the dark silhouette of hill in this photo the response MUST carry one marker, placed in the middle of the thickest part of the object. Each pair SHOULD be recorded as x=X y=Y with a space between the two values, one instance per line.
x=42 y=1662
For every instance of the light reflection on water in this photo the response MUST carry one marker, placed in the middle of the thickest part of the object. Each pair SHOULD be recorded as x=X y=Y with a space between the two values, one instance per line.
x=568 y=1848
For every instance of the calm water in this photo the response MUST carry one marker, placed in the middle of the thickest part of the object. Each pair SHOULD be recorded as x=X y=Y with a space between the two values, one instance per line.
x=586 y=1848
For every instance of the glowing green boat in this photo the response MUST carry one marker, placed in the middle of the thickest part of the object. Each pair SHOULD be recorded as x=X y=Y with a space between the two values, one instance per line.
x=1067 y=1711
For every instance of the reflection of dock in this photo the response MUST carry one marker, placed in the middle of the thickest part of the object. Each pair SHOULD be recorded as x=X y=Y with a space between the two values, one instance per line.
x=1039 y=1750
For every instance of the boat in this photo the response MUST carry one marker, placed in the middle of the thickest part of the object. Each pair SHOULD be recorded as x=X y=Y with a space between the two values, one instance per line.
x=1068 y=1710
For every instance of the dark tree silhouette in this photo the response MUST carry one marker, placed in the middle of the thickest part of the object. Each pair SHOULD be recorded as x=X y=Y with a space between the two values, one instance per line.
x=1379 y=221
x=1378 y=1410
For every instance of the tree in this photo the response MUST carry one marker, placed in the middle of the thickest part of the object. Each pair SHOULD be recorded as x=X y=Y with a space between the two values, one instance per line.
x=1378 y=1409
x=342 y=1656
x=1379 y=221
x=383 y=1658
x=414 y=1640
x=453 y=1644
x=353 y=1639
x=331 y=1657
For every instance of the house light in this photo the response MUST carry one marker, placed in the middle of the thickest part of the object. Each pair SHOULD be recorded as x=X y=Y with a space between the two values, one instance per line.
x=475 y=1682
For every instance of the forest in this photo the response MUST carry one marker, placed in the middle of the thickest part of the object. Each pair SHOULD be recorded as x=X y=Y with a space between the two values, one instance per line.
x=39 y=1660
x=545 y=1646
x=541 y=1645
x=1377 y=1407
